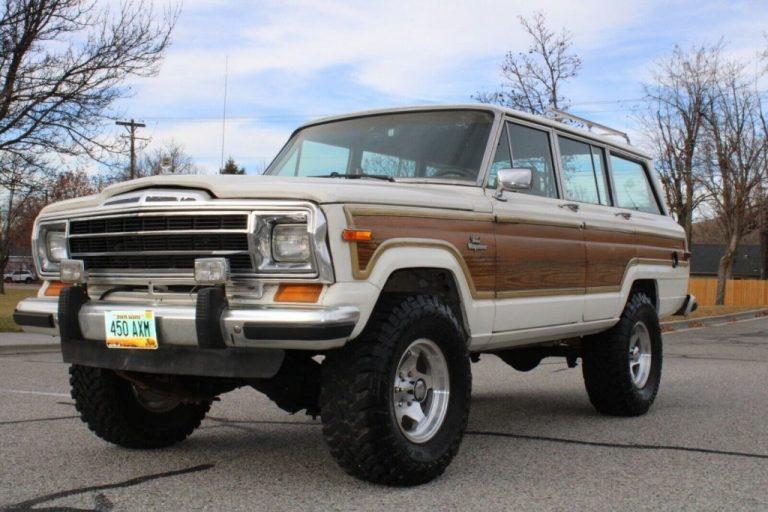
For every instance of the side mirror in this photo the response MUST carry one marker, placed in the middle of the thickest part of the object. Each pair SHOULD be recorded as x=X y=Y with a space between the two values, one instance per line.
x=513 y=180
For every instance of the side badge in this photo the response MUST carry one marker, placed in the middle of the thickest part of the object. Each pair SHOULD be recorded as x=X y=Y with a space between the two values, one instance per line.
x=474 y=243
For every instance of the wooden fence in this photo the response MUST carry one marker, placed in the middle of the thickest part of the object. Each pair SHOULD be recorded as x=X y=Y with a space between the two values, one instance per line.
x=738 y=292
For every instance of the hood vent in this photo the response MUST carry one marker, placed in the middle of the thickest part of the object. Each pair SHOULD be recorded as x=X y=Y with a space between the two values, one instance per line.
x=157 y=196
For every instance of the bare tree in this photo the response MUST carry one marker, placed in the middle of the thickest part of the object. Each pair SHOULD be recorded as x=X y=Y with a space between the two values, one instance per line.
x=734 y=149
x=62 y=63
x=681 y=92
x=20 y=178
x=170 y=158
x=533 y=79
x=52 y=187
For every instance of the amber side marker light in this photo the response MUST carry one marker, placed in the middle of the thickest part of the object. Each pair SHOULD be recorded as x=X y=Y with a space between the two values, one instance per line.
x=54 y=288
x=357 y=235
x=298 y=292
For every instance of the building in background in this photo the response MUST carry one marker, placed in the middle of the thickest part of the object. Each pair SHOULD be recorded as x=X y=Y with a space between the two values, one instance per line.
x=705 y=259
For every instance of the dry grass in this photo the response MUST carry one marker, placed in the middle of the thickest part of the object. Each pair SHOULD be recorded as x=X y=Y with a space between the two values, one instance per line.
x=8 y=304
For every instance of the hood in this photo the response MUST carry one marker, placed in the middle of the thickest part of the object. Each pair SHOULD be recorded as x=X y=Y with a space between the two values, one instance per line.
x=317 y=190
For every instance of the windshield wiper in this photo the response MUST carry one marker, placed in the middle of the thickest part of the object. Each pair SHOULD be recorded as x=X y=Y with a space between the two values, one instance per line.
x=335 y=174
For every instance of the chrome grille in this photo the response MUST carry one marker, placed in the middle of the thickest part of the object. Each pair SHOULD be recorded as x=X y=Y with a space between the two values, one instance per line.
x=158 y=223
x=151 y=242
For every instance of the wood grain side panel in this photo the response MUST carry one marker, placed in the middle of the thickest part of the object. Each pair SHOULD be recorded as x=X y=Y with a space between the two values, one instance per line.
x=539 y=258
x=480 y=264
x=608 y=255
x=658 y=247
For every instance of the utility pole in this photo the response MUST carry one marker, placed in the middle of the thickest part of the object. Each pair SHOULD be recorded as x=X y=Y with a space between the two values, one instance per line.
x=131 y=126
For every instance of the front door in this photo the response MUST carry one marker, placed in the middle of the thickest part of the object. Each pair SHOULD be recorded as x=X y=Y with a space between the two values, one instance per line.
x=540 y=252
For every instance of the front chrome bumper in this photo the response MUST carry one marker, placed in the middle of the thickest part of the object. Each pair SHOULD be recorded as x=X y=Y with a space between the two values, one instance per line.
x=286 y=327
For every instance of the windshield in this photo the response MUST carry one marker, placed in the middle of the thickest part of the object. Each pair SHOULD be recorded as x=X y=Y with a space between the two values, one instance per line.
x=439 y=145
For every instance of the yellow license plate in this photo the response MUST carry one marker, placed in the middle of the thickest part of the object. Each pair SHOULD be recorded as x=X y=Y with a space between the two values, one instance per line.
x=131 y=329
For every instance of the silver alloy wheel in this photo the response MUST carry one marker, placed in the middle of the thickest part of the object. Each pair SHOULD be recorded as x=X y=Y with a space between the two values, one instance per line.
x=640 y=355
x=153 y=401
x=421 y=391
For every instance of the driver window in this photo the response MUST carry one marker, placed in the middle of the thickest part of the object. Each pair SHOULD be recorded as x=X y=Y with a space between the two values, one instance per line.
x=531 y=150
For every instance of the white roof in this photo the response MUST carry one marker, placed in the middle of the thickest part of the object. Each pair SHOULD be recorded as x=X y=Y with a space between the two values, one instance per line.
x=496 y=109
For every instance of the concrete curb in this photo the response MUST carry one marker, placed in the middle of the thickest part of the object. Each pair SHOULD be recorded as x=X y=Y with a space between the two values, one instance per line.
x=695 y=323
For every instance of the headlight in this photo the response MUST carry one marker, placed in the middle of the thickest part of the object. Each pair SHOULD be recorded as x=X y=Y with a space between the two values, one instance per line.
x=290 y=243
x=56 y=245
x=51 y=246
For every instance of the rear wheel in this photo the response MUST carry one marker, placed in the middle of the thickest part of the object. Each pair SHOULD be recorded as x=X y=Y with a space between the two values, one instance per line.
x=395 y=401
x=622 y=366
x=118 y=411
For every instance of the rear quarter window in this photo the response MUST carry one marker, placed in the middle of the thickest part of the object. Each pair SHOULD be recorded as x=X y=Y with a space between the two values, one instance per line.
x=631 y=186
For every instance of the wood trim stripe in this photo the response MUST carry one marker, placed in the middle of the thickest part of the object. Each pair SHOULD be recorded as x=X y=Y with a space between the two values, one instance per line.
x=414 y=242
x=360 y=274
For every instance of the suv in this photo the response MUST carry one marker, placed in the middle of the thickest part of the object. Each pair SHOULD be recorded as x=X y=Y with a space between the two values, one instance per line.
x=356 y=280
x=20 y=276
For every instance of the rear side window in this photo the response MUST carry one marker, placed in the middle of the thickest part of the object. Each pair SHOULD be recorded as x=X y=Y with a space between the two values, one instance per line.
x=531 y=150
x=631 y=186
x=583 y=167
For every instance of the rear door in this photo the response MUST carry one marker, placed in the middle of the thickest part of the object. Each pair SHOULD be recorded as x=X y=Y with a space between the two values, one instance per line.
x=609 y=235
x=540 y=255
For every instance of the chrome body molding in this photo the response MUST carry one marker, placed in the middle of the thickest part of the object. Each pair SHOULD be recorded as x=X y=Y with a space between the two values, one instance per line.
x=176 y=323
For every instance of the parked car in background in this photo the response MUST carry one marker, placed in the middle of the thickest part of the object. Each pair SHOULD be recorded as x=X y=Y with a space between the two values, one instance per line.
x=20 y=276
x=356 y=280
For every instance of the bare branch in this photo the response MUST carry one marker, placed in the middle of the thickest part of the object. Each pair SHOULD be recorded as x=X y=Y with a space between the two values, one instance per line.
x=533 y=79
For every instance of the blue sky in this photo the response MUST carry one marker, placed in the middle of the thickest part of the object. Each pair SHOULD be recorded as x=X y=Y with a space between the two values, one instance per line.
x=292 y=61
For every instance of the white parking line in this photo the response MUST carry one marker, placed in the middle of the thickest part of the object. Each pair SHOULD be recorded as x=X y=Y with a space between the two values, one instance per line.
x=40 y=393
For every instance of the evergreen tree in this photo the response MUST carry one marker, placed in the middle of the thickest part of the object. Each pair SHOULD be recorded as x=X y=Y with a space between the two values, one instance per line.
x=230 y=167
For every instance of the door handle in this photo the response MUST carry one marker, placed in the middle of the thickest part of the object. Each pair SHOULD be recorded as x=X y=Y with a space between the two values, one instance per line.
x=571 y=206
x=626 y=215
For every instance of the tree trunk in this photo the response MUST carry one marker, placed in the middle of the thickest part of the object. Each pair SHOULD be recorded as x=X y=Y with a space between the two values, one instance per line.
x=5 y=242
x=725 y=269
x=764 y=253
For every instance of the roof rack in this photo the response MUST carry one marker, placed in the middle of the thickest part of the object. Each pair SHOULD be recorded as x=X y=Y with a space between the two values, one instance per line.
x=560 y=115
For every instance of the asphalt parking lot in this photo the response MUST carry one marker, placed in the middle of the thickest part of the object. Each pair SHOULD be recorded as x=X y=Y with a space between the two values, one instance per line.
x=534 y=442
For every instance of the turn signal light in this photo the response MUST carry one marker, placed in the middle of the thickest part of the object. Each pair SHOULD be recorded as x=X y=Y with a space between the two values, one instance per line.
x=54 y=288
x=357 y=235
x=298 y=292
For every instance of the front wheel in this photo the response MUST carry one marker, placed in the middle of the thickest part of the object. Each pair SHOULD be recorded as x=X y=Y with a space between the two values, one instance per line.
x=395 y=401
x=120 y=413
x=622 y=367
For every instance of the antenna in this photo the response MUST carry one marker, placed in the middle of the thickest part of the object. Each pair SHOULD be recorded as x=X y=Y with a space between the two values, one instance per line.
x=224 y=110
x=560 y=115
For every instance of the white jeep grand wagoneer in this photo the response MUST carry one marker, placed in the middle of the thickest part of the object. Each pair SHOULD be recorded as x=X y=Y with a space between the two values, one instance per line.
x=380 y=253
